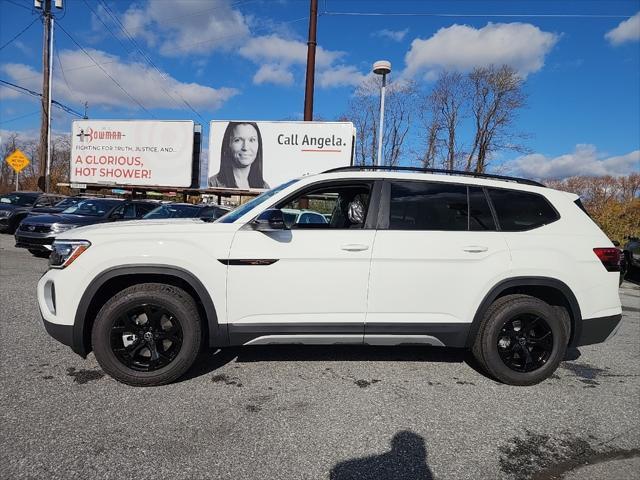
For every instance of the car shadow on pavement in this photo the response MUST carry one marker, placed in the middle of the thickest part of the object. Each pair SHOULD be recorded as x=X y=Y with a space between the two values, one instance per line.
x=407 y=460
x=213 y=359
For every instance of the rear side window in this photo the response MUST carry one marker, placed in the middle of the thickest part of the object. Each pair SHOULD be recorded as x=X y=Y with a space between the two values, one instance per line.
x=428 y=206
x=518 y=211
x=480 y=217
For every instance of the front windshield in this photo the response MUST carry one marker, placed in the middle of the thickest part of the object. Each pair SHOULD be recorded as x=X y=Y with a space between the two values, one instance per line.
x=233 y=215
x=173 y=211
x=67 y=202
x=93 y=208
x=20 y=200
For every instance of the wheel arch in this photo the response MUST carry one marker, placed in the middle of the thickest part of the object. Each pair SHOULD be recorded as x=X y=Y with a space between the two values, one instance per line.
x=109 y=282
x=551 y=290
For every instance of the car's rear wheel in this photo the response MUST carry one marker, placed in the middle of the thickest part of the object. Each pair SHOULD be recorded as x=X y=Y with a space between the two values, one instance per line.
x=148 y=334
x=521 y=340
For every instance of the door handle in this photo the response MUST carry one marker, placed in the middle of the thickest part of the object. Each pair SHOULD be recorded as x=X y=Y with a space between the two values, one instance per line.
x=475 y=248
x=354 y=247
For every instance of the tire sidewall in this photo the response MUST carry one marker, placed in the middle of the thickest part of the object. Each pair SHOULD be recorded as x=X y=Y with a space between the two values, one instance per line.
x=492 y=333
x=112 y=310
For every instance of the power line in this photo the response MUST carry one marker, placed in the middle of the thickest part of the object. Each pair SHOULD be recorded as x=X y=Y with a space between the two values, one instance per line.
x=20 y=33
x=103 y=70
x=142 y=54
x=478 y=15
x=17 y=4
x=28 y=91
x=64 y=77
x=18 y=118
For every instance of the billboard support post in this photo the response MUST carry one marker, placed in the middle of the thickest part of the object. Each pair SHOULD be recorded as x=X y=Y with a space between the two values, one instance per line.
x=311 y=61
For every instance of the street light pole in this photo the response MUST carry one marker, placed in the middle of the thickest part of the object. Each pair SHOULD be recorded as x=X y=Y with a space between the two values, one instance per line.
x=381 y=67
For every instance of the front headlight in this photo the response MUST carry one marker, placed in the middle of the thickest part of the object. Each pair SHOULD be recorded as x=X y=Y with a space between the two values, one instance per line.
x=62 y=227
x=5 y=213
x=64 y=252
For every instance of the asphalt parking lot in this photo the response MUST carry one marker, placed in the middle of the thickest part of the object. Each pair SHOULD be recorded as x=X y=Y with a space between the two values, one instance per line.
x=310 y=412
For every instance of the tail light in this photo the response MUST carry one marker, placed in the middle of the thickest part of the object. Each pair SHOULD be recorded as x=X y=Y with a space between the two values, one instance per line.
x=610 y=258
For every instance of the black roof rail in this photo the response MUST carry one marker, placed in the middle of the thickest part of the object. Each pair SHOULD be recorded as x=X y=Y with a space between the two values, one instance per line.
x=436 y=170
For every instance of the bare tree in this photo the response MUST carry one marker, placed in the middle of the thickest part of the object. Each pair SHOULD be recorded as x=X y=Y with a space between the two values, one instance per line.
x=442 y=111
x=497 y=95
x=399 y=112
x=364 y=111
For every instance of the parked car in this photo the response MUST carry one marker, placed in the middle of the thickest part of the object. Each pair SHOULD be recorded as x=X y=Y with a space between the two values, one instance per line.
x=294 y=216
x=58 y=207
x=203 y=211
x=37 y=233
x=631 y=251
x=14 y=207
x=512 y=270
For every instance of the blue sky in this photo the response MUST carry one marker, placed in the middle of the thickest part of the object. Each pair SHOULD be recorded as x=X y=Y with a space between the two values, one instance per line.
x=231 y=59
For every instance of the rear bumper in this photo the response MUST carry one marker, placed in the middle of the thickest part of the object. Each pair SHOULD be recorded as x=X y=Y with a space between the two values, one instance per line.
x=598 y=330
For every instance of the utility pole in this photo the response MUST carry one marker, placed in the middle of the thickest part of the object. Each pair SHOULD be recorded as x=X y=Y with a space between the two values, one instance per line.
x=45 y=122
x=311 y=61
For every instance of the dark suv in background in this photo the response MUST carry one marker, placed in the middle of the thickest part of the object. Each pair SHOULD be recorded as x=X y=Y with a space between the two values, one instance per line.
x=14 y=207
x=37 y=233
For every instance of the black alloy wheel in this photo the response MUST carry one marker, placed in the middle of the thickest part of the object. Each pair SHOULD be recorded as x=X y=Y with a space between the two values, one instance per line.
x=525 y=342
x=521 y=339
x=146 y=337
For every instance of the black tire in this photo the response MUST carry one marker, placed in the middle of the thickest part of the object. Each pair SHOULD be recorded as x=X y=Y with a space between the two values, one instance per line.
x=39 y=253
x=127 y=363
x=500 y=348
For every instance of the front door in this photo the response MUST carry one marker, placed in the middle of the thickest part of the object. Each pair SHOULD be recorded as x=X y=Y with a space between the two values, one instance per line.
x=308 y=282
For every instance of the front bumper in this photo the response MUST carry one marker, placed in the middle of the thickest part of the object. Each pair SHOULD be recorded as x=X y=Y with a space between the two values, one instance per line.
x=598 y=330
x=34 y=241
x=53 y=306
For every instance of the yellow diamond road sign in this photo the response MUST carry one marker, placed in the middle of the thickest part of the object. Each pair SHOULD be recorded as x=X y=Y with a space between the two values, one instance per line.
x=18 y=161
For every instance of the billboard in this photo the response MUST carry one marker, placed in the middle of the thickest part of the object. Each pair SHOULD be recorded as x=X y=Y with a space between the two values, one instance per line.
x=260 y=155
x=132 y=152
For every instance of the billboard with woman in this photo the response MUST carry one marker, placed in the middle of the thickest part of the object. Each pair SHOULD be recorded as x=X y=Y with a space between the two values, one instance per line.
x=256 y=155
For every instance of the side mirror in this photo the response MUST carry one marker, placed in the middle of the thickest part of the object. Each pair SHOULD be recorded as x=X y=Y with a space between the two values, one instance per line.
x=269 y=221
x=116 y=216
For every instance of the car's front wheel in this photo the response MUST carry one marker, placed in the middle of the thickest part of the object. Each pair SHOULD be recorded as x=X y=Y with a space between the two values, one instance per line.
x=521 y=340
x=148 y=334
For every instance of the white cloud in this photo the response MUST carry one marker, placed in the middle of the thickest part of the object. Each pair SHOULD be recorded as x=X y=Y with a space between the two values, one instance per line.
x=274 y=48
x=395 y=35
x=340 y=76
x=585 y=160
x=273 y=73
x=626 y=31
x=139 y=80
x=193 y=27
x=459 y=47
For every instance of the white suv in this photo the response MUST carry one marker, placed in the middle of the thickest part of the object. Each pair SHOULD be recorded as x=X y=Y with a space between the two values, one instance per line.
x=506 y=267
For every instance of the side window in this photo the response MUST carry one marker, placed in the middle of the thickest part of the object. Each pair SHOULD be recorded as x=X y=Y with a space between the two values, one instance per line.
x=329 y=206
x=141 y=209
x=518 y=211
x=43 y=202
x=480 y=217
x=428 y=206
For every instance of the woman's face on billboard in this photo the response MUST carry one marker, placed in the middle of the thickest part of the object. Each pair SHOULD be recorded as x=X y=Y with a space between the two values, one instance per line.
x=244 y=145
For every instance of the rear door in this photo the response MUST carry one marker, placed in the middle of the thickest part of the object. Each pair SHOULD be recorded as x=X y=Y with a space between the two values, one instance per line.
x=435 y=252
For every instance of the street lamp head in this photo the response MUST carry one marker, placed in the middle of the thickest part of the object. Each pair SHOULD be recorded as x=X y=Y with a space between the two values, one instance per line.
x=382 y=67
